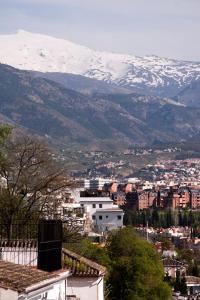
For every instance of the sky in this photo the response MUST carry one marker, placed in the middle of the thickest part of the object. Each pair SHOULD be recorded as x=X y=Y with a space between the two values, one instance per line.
x=168 y=28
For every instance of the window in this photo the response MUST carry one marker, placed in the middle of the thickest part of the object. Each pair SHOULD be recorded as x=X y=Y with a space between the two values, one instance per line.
x=106 y=217
x=93 y=205
x=100 y=205
x=119 y=217
x=100 y=217
x=93 y=217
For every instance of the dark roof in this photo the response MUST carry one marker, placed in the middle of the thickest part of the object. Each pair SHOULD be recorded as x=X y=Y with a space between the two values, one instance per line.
x=170 y=262
x=18 y=277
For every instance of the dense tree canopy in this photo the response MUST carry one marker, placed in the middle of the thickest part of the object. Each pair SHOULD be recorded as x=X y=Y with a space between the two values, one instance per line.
x=137 y=273
x=163 y=218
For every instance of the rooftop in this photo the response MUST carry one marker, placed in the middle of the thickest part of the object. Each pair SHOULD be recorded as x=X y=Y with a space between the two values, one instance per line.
x=19 y=278
x=192 y=280
x=81 y=266
x=170 y=262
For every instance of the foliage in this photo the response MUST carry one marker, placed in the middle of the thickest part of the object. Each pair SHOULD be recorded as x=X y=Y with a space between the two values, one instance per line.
x=86 y=248
x=163 y=218
x=134 y=267
x=5 y=131
x=32 y=180
x=166 y=243
x=180 y=284
x=192 y=259
x=137 y=272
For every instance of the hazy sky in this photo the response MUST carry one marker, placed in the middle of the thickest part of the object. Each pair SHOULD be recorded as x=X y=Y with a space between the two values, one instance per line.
x=169 y=28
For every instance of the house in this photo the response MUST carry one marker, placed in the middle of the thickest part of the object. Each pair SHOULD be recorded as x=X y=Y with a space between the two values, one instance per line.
x=173 y=266
x=79 y=279
x=193 y=285
x=87 y=277
x=91 y=204
x=104 y=215
x=108 y=219
x=19 y=282
x=53 y=273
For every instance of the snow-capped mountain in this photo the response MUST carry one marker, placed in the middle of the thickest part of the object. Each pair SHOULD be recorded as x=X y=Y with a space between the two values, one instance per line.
x=31 y=51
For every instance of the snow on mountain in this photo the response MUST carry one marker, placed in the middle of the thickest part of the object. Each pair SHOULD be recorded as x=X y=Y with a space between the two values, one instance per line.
x=31 y=51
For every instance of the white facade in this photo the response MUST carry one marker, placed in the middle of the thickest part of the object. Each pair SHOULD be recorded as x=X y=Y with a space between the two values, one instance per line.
x=53 y=291
x=104 y=215
x=86 y=288
x=91 y=204
x=7 y=294
x=108 y=219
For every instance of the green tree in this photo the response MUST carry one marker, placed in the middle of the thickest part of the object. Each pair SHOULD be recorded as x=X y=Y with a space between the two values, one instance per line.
x=136 y=272
x=83 y=246
x=5 y=131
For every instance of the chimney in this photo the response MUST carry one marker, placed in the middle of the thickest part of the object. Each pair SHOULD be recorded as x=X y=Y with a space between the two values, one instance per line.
x=50 y=245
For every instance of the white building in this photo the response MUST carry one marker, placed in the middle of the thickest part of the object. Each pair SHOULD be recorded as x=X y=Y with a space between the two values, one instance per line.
x=193 y=286
x=104 y=215
x=19 y=282
x=91 y=204
x=84 y=280
x=80 y=279
x=96 y=183
x=87 y=279
x=108 y=219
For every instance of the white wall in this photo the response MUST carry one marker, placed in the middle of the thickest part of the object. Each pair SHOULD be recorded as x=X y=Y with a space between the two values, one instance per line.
x=17 y=255
x=6 y=294
x=88 y=202
x=86 y=288
x=54 y=291
x=109 y=220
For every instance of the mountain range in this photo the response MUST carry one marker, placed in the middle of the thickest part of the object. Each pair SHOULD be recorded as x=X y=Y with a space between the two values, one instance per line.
x=72 y=95
x=149 y=75
x=96 y=121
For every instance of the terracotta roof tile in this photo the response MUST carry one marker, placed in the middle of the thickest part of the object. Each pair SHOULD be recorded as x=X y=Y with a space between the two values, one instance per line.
x=18 y=277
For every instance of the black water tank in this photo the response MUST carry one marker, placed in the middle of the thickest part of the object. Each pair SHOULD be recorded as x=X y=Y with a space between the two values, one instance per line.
x=50 y=245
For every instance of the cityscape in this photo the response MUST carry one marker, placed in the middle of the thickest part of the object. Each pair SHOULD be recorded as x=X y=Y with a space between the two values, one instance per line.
x=99 y=150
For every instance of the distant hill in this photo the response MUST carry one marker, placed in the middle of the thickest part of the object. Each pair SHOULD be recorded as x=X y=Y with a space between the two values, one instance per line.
x=82 y=84
x=102 y=121
x=190 y=95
